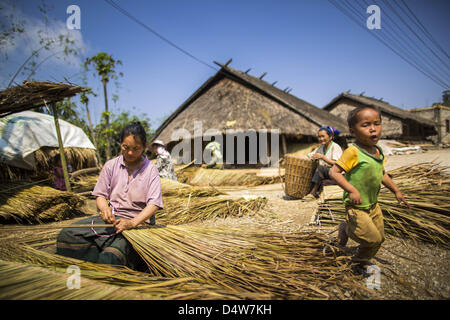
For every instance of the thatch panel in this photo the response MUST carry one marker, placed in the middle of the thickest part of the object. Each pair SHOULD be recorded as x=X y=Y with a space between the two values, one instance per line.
x=32 y=94
x=229 y=101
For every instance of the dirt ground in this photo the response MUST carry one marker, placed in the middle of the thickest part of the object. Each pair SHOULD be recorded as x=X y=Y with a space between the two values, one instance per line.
x=408 y=270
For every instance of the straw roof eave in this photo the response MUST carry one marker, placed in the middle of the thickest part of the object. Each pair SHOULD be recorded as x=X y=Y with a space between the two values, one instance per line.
x=383 y=106
x=30 y=95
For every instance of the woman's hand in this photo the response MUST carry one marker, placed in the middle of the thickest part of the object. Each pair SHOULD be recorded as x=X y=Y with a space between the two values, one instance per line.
x=107 y=215
x=317 y=156
x=401 y=198
x=355 y=197
x=124 y=224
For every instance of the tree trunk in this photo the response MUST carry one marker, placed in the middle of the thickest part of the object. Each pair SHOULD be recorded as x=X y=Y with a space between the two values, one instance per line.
x=61 y=148
x=108 y=135
x=91 y=130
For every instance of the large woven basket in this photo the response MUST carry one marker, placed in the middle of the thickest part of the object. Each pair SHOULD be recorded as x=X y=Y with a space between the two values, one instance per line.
x=298 y=175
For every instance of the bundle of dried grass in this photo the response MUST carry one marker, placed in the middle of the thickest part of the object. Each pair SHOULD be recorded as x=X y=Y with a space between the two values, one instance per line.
x=132 y=284
x=171 y=188
x=427 y=190
x=84 y=183
x=259 y=261
x=9 y=173
x=36 y=204
x=25 y=282
x=214 y=177
x=78 y=158
x=202 y=208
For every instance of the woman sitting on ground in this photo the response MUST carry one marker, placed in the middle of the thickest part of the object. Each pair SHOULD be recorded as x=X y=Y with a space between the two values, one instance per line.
x=327 y=153
x=128 y=193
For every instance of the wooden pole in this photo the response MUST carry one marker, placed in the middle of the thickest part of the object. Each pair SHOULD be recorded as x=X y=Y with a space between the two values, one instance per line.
x=61 y=148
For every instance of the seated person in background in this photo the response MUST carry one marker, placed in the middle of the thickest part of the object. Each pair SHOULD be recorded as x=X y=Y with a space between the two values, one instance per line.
x=327 y=153
x=163 y=160
x=58 y=173
x=217 y=158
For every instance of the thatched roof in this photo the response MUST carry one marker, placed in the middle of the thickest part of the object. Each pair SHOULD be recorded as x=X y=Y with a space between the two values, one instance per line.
x=235 y=100
x=435 y=106
x=32 y=94
x=382 y=105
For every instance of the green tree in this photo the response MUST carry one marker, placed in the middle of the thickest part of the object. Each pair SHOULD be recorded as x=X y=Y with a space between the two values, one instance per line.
x=105 y=66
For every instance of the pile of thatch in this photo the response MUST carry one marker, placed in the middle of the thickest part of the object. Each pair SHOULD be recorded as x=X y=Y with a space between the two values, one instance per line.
x=36 y=204
x=118 y=282
x=276 y=265
x=426 y=188
x=171 y=188
x=214 y=177
x=78 y=158
x=83 y=183
x=179 y=211
x=32 y=94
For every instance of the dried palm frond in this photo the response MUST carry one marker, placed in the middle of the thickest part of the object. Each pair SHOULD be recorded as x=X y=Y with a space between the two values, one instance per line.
x=259 y=261
x=36 y=204
x=180 y=211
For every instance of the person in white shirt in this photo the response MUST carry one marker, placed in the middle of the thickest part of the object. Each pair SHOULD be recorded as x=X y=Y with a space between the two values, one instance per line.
x=327 y=153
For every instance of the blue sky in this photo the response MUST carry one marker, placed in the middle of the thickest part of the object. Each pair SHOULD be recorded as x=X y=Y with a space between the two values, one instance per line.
x=306 y=45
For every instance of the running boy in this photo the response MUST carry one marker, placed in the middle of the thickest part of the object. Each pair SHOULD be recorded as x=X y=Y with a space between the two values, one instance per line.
x=363 y=163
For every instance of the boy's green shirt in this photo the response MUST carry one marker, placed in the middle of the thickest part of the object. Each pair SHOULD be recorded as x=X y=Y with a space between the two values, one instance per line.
x=365 y=172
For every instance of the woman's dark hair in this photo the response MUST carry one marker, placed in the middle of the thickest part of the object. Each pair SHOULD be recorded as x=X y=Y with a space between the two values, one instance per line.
x=352 y=117
x=134 y=129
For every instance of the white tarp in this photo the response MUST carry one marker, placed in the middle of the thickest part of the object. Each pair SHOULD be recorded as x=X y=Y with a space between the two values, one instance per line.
x=23 y=133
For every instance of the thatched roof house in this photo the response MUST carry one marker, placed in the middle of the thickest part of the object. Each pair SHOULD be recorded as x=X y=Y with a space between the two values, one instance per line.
x=397 y=123
x=232 y=99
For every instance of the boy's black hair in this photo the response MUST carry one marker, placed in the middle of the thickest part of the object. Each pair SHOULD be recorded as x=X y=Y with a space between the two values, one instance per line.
x=353 y=114
x=134 y=129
